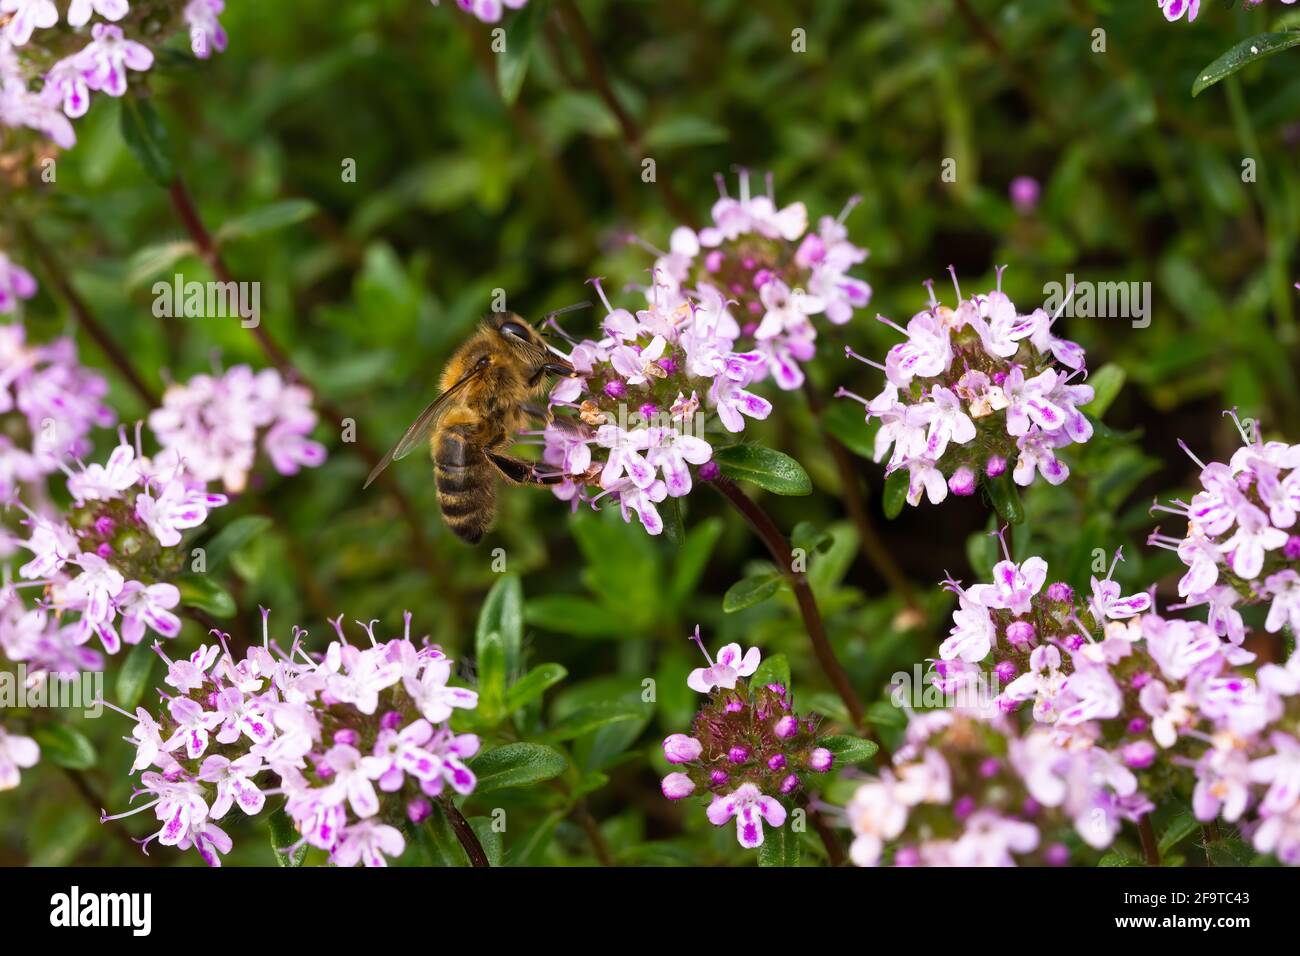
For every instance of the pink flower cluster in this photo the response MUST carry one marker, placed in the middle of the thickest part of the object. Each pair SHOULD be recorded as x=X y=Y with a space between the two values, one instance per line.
x=102 y=65
x=1174 y=9
x=489 y=11
x=16 y=284
x=762 y=259
x=356 y=740
x=639 y=394
x=747 y=747
x=973 y=391
x=213 y=423
x=1242 y=544
x=49 y=404
x=107 y=559
x=1127 y=708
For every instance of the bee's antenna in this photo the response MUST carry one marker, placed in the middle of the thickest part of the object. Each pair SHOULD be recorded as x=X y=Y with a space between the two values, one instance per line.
x=568 y=308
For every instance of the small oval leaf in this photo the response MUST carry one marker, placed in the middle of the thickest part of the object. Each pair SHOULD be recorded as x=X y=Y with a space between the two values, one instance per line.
x=516 y=765
x=1242 y=55
x=769 y=469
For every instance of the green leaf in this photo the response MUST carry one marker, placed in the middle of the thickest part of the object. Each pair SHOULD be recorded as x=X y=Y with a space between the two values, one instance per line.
x=848 y=749
x=146 y=138
x=1116 y=858
x=1231 y=851
x=516 y=765
x=503 y=614
x=283 y=836
x=1106 y=383
x=533 y=685
x=750 y=591
x=206 y=595
x=1242 y=55
x=1005 y=498
x=154 y=260
x=895 y=493
x=65 y=746
x=488 y=838
x=772 y=670
x=268 y=218
x=770 y=470
x=1180 y=827
x=685 y=131
x=780 y=847
x=521 y=34
x=491 y=665
x=231 y=538
x=810 y=538
x=844 y=419
x=569 y=614
x=593 y=717
x=133 y=678
x=693 y=557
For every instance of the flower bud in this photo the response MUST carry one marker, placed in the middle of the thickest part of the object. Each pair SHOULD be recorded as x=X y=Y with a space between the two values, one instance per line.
x=719 y=777
x=995 y=466
x=347 y=736
x=1139 y=755
x=678 y=748
x=787 y=727
x=776 y=762
x=1060 y=591
x=1020 y=634
x=962 y=482
x=675 y=786
x=738 y=754
x=1006 y=671
x=789 y=784
x=820 y=760
x=709 y=471
x=418 y=810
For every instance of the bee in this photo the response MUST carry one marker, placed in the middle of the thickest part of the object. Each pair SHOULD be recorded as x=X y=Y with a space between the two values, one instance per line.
x=485 y=400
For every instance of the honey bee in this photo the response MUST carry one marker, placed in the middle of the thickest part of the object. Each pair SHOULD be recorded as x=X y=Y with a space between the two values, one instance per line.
x=485 y=400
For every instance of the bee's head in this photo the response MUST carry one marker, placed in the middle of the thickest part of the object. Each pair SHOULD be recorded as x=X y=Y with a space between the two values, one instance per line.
x=528 y=345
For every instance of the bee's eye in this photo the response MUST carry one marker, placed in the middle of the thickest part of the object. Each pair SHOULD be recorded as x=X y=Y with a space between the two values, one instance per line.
x=516 y=330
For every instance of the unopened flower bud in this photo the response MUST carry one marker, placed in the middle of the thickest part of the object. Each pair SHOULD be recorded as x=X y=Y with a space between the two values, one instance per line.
x=776 y=762
x=820 y=760
x=995 y=466
x=347 y=736
x=1020 y=634
x=1006 y=671
x=719 y=777
x=675 y=786
x=678 y=748
x=418 y=810
x=709 y=471
x=787 y=727
x=1060 y=591
x=1139 y=755
x=789 y=784
x=962 y=482
x=738 y=754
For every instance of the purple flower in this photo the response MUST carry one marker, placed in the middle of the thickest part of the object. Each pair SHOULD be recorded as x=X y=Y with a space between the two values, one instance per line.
x=79 y=11
x=108 y=57
x=28 y=16
x=730 y=666
x=678 y=748
x=750 y=807
x=15 y=283
x=206 y=32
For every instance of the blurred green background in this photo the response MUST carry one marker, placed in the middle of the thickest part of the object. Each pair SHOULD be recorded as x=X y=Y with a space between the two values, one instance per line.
x=368 y=285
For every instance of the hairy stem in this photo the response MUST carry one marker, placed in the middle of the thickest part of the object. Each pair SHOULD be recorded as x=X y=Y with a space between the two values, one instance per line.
x=779 y=548
x=576 y=26
x=188 y=213
x=872 y=546
x=1150 y=848
x=465 y=834
x=85 y=318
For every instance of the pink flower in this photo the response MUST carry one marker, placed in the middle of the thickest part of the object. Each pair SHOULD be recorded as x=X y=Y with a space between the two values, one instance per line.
x=370 y=843
x=1174 y=9
x=28 y=15
x=109 y=56
x=79 y=11
x=148 y=606
x=16 y=752
x=730 y=666
x=15 y=283
x=206 y=32
x=750 y=807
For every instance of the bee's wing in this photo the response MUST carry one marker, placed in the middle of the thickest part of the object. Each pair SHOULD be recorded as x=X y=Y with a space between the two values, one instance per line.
x=420 y=430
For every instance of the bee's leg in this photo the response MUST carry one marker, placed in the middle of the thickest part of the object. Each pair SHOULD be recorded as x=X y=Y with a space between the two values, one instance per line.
x=533 y=410
x=521 y=472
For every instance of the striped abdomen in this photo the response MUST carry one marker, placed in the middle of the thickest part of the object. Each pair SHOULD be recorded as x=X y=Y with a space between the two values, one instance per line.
x=466 y=483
